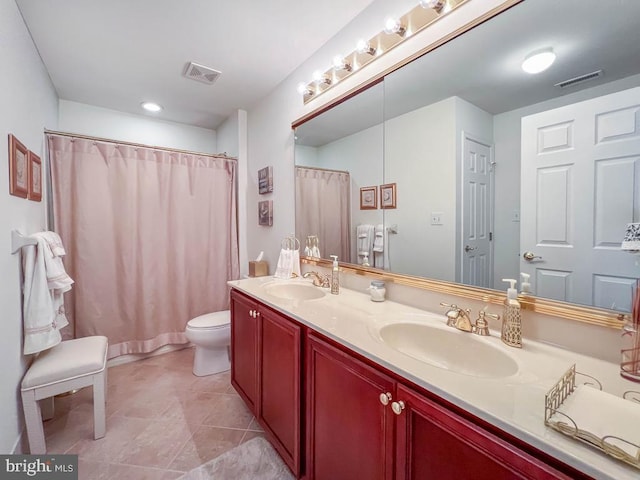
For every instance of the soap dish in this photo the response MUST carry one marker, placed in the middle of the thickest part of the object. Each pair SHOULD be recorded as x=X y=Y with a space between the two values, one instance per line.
x=569 y=409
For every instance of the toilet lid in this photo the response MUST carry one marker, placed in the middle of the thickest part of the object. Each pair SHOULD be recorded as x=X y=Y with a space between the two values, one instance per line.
x=209 y=320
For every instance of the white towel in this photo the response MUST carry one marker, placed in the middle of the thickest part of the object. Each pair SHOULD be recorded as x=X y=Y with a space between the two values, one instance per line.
x=54 y=241
x=288 y=264
x=364 y=241
x=379 y=241
x=45 y=282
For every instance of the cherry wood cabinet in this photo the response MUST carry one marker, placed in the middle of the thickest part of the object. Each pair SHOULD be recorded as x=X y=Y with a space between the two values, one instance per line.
x=349 y=432
x=358 y=420
x=280 y=377
x=266 y=372
x=435 y=443
x=244 y=349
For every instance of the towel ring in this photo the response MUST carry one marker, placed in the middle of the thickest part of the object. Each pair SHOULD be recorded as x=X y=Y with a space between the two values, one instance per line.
x=290 y=243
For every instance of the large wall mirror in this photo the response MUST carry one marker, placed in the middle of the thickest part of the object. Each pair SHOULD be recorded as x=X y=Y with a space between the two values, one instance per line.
x=487 y=171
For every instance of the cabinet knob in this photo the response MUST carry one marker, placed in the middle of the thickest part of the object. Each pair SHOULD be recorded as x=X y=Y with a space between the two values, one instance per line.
x=385 y=398
x=397 y=407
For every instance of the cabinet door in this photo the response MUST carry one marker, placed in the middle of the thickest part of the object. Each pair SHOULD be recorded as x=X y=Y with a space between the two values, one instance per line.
x=349 y=431
x=280 y=385
x=244 y=349
x=434 y=443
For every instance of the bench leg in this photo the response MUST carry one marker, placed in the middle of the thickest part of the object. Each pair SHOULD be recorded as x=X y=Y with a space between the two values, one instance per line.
x=33 y=421
x=99 y=404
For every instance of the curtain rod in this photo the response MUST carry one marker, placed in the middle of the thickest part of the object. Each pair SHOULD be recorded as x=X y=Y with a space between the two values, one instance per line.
x=324 y=169
x=132 y=144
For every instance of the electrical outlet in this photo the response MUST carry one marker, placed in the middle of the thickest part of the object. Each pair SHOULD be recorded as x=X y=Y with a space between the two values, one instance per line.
x=436 y=218
x=516 y=216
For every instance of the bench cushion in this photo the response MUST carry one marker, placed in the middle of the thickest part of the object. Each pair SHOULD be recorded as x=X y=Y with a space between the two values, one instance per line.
x=67 y=360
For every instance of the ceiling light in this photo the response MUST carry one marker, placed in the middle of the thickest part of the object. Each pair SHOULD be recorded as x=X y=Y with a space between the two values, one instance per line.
x=440 y=6
x=339 y=63
x=151 y=107
x=538 y=61
x=393 y=25
x=365 y=47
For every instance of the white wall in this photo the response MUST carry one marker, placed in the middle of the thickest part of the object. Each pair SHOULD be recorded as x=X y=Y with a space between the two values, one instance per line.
x=29 y=105
x=420 y=153
x=362 y=155
x=100 y=122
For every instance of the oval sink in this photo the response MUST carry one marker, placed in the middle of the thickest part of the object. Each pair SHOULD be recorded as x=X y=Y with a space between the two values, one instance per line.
x=449 y=349
x=294 y=291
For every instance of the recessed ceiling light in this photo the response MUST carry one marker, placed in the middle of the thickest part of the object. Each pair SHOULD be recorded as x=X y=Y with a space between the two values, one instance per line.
x=151 y=107
x=538 y=61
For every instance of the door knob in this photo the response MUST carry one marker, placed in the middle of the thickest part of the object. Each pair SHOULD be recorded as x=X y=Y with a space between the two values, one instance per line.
x=397 y=407
x=528 y=256
x=385 y=398
x=467 y=248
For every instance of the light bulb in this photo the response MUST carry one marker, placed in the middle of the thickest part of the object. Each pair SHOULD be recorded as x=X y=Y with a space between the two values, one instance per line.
x=339 y=63
x=393 y=25
x=365 y=47
x=437 y=5
x=320 y=77
x=303 y=89
x=539 y=61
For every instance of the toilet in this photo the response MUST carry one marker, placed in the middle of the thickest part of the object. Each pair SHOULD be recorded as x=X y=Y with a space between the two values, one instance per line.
x=211 y=334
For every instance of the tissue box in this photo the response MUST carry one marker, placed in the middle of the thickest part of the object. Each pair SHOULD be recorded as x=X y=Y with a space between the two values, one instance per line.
x=258 y=269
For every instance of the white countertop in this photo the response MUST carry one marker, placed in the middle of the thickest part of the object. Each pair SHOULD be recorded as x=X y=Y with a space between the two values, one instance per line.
x=514 y=403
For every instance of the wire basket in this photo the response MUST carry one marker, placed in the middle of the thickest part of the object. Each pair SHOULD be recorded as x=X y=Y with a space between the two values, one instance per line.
x=560 y=418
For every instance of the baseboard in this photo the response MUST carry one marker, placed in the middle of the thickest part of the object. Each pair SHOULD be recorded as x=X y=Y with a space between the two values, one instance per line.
x=134 y=357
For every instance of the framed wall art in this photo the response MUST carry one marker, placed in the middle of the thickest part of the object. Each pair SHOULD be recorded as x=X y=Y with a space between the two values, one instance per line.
x=18 y=168
x=35 y=177
x=368 y=198
x=265 y=180
x=388 y=195
x=265 y=213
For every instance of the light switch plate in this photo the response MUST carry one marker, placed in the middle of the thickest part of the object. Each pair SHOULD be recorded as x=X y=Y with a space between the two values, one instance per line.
x=437 y=218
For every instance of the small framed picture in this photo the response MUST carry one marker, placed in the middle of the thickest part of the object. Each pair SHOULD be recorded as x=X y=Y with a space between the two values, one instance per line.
x=35 y=177
x=265 y=180
x=18 y=168
x=388 y=195
x=265 y=213
x=368 y=198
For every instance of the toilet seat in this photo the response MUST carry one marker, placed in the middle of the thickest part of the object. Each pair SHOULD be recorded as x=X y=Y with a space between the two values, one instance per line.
x=210 y=321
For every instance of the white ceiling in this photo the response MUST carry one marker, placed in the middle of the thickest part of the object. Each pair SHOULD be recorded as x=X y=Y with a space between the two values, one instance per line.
x=117 y=53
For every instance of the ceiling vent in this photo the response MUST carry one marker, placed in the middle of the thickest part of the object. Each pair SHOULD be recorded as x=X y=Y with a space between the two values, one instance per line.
x=200 y=73
x=582 y=78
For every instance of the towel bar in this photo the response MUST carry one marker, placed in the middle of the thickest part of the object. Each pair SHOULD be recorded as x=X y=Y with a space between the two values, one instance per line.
x=18 y=241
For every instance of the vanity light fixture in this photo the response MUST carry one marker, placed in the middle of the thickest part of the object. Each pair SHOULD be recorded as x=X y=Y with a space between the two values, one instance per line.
x=365 y=47
x=396 y=30
x=151 y=107
x=538 y=61
x=339 y=63
x=393 y=25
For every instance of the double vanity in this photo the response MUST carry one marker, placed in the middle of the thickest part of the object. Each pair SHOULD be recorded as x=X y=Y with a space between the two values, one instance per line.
x=349 y=388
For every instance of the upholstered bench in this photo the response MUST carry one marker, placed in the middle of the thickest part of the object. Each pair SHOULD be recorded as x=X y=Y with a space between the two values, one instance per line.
x=70 y=365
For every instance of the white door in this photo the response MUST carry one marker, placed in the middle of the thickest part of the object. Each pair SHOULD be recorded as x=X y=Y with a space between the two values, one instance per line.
x=477 y=213
x=580 y=187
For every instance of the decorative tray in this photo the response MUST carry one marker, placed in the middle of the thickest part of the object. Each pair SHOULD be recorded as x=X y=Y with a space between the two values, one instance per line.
x=604 y=421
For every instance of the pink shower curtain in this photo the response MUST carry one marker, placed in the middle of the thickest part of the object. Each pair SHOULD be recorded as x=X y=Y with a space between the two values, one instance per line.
x=150 y=235
x=323 y=209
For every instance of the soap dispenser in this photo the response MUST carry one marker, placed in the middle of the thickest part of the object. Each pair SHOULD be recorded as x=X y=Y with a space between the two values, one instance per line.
x=335 y=276
x=511 y=319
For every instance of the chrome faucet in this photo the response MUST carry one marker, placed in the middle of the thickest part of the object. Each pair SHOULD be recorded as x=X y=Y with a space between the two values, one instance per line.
x=318 y=280
x=458 y=317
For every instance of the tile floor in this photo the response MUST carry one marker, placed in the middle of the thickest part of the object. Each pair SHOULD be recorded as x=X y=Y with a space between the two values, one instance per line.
x=161 y=421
